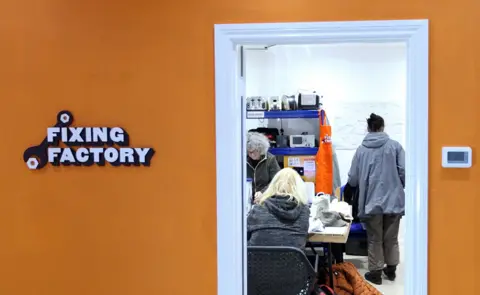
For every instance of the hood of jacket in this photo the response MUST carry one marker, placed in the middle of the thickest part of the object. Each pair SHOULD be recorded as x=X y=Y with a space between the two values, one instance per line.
x=283 y=208
x=375 y=140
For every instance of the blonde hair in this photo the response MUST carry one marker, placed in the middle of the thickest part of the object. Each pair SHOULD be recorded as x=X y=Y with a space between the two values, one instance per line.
x=287 y=182
x=257 y=142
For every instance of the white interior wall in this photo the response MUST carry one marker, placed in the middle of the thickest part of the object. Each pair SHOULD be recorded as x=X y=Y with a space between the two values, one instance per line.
x=354 y=79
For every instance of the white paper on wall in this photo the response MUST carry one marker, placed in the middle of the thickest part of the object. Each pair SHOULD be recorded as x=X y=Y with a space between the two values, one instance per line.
x=309 y=165
x=294 y=162
x=349 y=124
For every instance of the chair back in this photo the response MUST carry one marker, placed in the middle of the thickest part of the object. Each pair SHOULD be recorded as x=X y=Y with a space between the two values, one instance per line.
x=279 y=271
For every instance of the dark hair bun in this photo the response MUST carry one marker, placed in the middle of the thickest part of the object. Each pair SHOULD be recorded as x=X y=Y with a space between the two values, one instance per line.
x=375 y=123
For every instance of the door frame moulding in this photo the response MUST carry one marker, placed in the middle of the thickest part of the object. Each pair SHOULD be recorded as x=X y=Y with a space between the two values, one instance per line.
x=230 y=158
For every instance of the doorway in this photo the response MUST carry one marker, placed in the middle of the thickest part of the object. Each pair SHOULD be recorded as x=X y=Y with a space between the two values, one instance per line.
x=353 y=80
x=230 y=111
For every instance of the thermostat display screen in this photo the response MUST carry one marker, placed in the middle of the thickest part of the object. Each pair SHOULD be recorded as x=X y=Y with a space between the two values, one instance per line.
x=457 y=157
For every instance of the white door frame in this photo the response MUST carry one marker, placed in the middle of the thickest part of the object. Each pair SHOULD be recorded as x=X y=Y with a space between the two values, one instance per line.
x=229 y=138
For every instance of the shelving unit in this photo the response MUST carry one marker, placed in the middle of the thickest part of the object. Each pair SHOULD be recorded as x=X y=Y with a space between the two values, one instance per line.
x=298 y=114
x=310 y=151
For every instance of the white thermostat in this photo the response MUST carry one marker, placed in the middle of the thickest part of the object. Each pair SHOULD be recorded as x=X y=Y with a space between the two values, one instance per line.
x=457 y=157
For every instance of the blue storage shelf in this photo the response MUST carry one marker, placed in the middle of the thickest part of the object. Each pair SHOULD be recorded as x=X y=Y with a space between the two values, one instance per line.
x=305 y=114
x=293 y=151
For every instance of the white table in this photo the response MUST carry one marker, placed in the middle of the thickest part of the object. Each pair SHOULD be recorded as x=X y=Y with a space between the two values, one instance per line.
x=336 y=235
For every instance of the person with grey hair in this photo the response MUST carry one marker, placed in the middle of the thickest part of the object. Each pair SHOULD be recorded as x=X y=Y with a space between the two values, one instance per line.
x=261 y=165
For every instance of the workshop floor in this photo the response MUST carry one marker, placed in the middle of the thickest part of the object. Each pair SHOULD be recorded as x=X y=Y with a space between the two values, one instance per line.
x=388 y=287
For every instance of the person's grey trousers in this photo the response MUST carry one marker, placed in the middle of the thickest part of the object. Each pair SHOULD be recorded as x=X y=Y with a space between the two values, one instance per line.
x=382 y=234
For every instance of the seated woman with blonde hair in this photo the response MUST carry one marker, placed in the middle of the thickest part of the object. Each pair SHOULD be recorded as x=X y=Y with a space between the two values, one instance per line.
x=281 y=216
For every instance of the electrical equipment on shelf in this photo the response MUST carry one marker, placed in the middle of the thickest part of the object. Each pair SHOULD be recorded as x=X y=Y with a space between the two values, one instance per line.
x=249 y=103
x=257 y=103
x=305 y=101
x=282 y=141
x=302 y=140
x=309 y=101
x=274 y=104
x=289 y=103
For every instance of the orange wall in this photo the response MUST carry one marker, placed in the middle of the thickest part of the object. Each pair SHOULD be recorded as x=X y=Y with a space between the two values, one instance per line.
x=127 y=231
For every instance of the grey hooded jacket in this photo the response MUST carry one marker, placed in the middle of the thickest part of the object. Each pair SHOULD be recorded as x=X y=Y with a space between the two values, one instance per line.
x=279 y=221
x=378 y=170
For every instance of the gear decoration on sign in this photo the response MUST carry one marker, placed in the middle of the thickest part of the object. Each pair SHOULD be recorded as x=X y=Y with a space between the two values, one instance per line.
x=36 y=156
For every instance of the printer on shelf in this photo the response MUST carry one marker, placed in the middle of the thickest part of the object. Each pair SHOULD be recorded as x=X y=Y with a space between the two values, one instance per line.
x=309 y=101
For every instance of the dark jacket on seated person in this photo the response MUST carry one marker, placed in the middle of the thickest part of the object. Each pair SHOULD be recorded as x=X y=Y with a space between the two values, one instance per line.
x=278 y=222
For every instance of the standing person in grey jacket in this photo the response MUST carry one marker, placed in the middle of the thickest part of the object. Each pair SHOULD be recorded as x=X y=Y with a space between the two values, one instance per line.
x=378 y=170
x=281 y=216
x=261 y=165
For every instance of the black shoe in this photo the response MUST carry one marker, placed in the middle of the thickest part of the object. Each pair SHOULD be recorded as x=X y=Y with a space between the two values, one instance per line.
x=374 y=277
x=389 y=271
